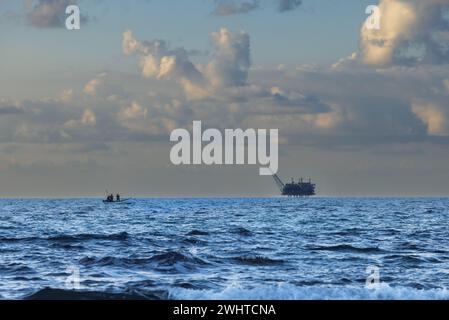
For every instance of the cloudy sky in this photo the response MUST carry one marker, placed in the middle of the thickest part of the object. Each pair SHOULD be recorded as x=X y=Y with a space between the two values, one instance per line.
x=362 y=112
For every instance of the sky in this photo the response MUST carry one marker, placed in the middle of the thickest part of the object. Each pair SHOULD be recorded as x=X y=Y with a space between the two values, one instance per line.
x=362 y=112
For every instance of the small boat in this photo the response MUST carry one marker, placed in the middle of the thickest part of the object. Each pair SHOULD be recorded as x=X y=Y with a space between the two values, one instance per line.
x=124 y=201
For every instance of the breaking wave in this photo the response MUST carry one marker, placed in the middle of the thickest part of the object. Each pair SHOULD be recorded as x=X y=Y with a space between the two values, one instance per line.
x=291 y=292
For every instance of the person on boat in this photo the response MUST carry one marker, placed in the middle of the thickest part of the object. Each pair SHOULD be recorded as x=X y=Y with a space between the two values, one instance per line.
x=117 y=198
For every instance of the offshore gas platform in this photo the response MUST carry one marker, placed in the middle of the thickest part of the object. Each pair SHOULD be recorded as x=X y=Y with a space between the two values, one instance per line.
x=301 y=188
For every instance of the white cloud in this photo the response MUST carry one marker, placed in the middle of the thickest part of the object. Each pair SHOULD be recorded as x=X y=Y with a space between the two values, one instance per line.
x=327 y=120
x=360 y=105
x=228 y=68
x=88 y=118
x=66 y=95
x=232 y=59
x=93 y=86
x=134 y=111
x=158 y=61
x=129 y=44
x=434 y=117
x=409 y=33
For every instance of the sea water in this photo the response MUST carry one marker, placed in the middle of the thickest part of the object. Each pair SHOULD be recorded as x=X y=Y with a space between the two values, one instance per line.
x=261 y=248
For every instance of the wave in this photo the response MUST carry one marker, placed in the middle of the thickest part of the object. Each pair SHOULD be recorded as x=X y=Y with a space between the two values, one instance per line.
x=348 y=232
x=91 y=236
x=77 y=237
x=412 y=259
x=8 y=239
x=193 y=241
x=68 y=246
x=409 y=246
x=345 y=248
x=236 y=292
x=112 y=261
x=198 y=233
x=167 y=259
x=242 y=232
x=16 y=268
x=257 y=261
x=171 y=258
x=292 y=292
x=62 y=294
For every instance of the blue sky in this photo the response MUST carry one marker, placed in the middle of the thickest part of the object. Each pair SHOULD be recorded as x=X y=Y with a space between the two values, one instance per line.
x=277 y=38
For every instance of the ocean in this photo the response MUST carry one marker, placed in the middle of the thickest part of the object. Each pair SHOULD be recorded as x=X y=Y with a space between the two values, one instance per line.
x=250 y=248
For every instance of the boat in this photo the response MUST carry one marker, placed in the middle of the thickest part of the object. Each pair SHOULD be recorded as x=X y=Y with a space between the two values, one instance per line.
x=124 y=201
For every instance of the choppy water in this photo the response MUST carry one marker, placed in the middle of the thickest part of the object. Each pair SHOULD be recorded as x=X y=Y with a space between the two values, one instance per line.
x=276 y=248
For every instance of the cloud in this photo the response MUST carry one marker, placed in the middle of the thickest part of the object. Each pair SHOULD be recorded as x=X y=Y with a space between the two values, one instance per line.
x=134 y=111
x=232 y=7
x=314 y=106
x=325 y=120
x=158 y=61
x=288 y=5
x=411 y=32
x=446 y=85
x=93 y=86
x=434 y=117
x=10 y=107
x=48 y=13
x=366 y=107
x=102 y=87
x=135 y=119
x=229 y=7
x=67 y=95
x=88 y=118
x=218 y=91
x=7 y=110
x=232 y=59
x=228 y=68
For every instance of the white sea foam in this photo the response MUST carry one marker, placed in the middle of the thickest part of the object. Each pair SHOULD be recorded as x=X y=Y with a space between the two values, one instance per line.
x=292 y=292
